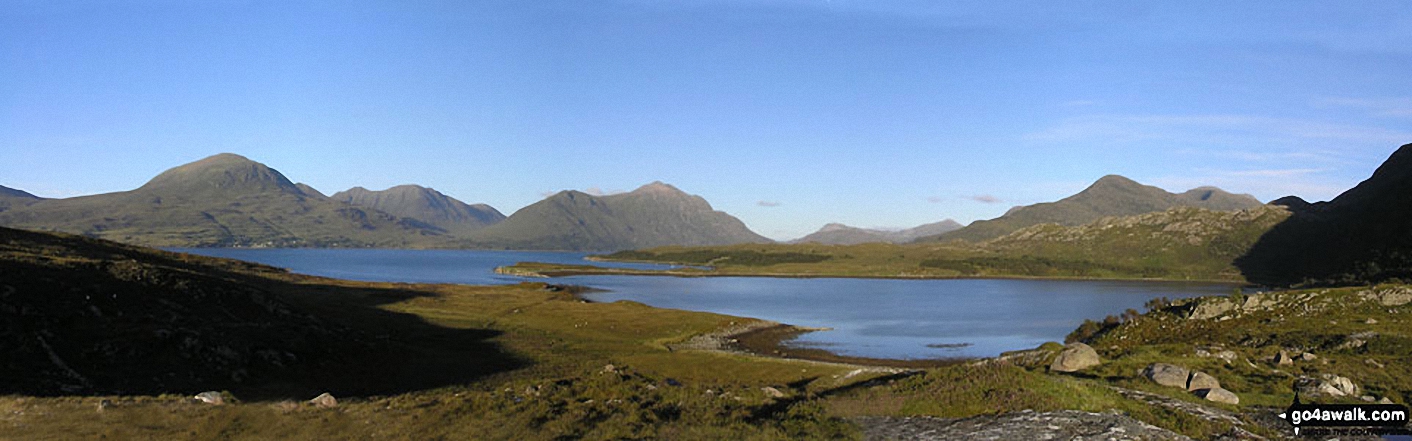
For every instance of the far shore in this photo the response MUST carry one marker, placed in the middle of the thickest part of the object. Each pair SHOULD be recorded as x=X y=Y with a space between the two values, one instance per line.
x=603 y=271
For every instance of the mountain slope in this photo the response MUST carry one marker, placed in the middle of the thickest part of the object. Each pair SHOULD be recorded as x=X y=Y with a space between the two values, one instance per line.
x=1111 y=195
x=310 y=191
x=840 y=234
x=424 y=204
x=223 y=200
x=1364 y=235
x=656 y=214
x=13 y=197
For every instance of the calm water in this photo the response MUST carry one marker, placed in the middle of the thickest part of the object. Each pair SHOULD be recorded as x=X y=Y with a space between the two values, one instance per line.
x=870 y=317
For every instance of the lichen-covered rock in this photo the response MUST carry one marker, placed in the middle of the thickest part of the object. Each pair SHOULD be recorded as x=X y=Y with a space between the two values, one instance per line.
x=1026 y=425
x=1167 y=375
x=1075 y=357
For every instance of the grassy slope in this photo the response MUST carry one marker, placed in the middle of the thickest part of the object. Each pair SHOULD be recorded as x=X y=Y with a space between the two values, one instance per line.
x=508 y=362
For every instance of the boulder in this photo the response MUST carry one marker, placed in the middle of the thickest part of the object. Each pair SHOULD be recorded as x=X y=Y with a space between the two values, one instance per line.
x=1211 y=308
x=1167 y=375
x=211 y=397
x=1308 y=356
x=1075 y=357
x=1201 y=380
x=772 y=392
x=1283 y=359
x=1218 y=395
x=1329 y=385
x=324 y=400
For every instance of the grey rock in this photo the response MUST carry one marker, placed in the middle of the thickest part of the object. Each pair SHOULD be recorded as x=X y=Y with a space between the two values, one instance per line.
x=1167 y=375
x=772 y=392
x=1075 y=357
x=211 y=397
x=324 y=400
x=1201 y=380
x=1218 y=395
x=1211 y=308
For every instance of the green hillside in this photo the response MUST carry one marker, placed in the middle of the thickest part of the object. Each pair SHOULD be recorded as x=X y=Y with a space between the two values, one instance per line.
x=1111 y=195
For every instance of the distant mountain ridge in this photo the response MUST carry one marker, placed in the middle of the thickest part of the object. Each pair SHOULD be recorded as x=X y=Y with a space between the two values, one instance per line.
x=423 y=204
x=222 y=200
x=840 y=234
x=1111 y=195
x=655 y=214
x=230 y=200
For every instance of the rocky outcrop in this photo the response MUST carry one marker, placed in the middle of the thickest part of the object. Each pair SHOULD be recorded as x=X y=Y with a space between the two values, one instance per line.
x=1326 y=385
x=1395 y=296
x=1027 y=424
x=1075 y=357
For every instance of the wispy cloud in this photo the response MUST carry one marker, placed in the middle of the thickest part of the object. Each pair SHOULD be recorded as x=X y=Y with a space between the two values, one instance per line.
x=1388 y=107
x=984 y=198
x=1214 y=129
x=596 y=191
x=1273 y=173
x=935 y=199
x=768 y=204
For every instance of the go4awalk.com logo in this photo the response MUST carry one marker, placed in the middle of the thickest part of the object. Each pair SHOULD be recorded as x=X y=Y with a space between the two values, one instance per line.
x=1384 y=418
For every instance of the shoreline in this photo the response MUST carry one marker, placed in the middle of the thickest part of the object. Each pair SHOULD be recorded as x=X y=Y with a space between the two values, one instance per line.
x=671 y=273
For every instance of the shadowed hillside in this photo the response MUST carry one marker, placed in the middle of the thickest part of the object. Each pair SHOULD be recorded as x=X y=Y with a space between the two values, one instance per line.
x=85 y=316
x=1111 y=195
x=1362 y=236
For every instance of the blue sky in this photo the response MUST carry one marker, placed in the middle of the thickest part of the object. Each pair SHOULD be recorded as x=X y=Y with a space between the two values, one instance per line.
x=787 y=114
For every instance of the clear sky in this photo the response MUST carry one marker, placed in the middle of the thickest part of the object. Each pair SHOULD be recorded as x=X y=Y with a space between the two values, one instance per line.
x=787 y=114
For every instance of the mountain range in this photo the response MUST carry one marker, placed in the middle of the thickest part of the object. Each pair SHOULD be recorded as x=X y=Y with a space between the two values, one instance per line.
x=840 y=234
x=1111 y=195
x=229 y=200
x=655 y=214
